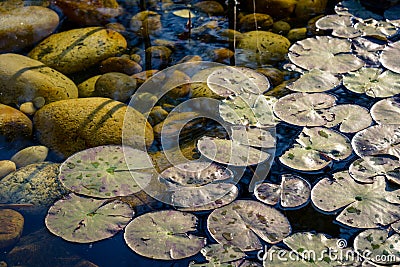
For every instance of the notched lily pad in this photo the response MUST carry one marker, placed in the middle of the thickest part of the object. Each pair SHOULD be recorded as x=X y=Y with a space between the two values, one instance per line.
x=381 y=30
x=387 y=111
x=366 y=169
x=305 y=109
x=352 y=118
x=378 y=140
x=314 y=81
x=368 y=51
x=293 y=192
x=374 y=82
x=324 y=53
x=230 y=152
x=341 y=26
x=390 y=57
x=106 y=171
x=379 y=246
x=365 y=205
x=244 y=222
x=247 y=109
x=254 y=137
x=164 y=235
x=85 y=220
x=222 y=253
x=317 y=147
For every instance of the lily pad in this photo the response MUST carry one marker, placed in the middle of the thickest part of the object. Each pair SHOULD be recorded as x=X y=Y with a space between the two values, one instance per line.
x=85 y=220
x=248 y=110
x=341 y=26
x=324 y=53
x=254 y=137
x=365 y=205
x=219 y=254
x=355 y=9
x=184 y=13
x=378 y=140
x=244 y=222
x=387 y=111
x=106 y=171
x=305 y=109
x=374 y=82
x=352 y=118
x=380 y=247
x=293 y=192
x=229 y=81
x=318 y=147
x=314 y=81
x=381 y=30
x=230 y=152
x=368 y=51
x=164 y=235
x=366 y=169
x=390 y=57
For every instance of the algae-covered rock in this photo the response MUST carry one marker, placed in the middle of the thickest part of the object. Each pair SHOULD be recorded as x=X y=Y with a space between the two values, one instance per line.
x=14 y=123
x=78 y=49
x=73 y=125
x=23 y=79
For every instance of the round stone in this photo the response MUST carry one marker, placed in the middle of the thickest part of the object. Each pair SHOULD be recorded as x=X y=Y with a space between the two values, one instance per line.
x=6 y=167
x=14 y=123
x=11 y=226
x=30 y=155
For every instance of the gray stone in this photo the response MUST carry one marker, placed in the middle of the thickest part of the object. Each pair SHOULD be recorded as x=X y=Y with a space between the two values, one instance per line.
x=30 y=155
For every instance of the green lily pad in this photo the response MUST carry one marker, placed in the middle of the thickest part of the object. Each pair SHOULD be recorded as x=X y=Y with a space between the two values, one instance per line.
x=377 y=29
x=229 y=81
x=365 y=205
x=106 y=171
x=293 y=192
x=352 y=118
x=379 y=246
x=377 y=140
x=366 y=169
x=305 y=109
x=230 y=152
x=314 y=81
x=318 y=147
x=341 y=26
x=374 y=82
x=164 y=235
x=254 y=137
x=324 y=53
x=244 y=222
x=247 y=109
x=390 y=57
x=387 y=111
x=85 y=220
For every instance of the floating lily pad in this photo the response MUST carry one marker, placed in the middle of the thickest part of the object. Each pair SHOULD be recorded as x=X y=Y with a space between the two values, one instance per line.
x=352 y=118
x=368 y=51
x=393 y=15
x=318 y=147
x=374 y=82
x=164 y=235
x=85 y=220
x=184 y=13
x=229 y=81
x=305 y=109
x=254 y=137
x=379 y=246
x=219 y=254
x=355 y=9
x=324 y=53
x=293 y=192
x=341 y=26
x=387 y=111
x=378 y=140
x=230 y=152
x=248 y=110
x=377 y=29
x=314 y=81
x=244 y=222
x=366 y=169
x=106 y=171
x=365 y=205
x=390 y=57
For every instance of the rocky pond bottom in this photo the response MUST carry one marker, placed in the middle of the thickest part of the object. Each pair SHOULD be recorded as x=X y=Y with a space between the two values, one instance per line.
x=201 y=133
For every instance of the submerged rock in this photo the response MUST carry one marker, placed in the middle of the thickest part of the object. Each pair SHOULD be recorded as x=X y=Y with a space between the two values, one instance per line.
x=23 y=27
x=115 y=85
x=73 y=125
x=78 y=49
x=6 y=167
x=30 y=155
x=11 y=226
x=255 y=21
x=23 y=79
x=145 y=23
x=14 y=123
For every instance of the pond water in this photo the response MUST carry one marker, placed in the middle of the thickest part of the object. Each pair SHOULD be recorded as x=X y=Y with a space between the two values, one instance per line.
x=87 y=86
